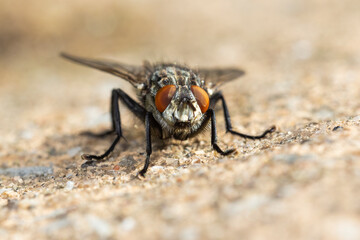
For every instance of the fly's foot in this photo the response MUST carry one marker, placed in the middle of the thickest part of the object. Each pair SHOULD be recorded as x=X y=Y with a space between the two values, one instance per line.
x=145 y=168
x=224 y=153
x=141 y=174
x=270 y=130
x=91 y=160
x=263 y=135
x=90 y=157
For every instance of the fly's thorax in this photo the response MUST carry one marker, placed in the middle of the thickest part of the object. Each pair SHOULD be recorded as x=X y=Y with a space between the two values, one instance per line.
x=173 y=75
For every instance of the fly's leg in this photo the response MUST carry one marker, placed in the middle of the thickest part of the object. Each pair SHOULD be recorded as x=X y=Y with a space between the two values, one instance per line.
x=214 y=135
x=148 y=144
x=137 y=109
x=218 y=96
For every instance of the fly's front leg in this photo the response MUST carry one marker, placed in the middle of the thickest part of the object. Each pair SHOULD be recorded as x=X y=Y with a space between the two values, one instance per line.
x=148 y=144
x=218 y=96
x=214 y=144
x=137 y=109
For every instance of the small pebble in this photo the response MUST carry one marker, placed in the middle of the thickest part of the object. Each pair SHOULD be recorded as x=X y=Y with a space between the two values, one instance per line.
x=172 y=162
x=4 y=190
x=338 y=128
x=69 y=175
x=128 y=224
x=69 y=185
x=157 y=169
x=8 y=193
x=195 y=161
x=27 y=134
x=200 y=152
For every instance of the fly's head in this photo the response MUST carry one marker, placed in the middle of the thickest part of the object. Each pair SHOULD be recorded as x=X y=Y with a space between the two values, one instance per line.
x=178 y=99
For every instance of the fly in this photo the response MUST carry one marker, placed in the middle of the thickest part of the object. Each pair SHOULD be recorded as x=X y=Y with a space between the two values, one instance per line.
x=175 y=102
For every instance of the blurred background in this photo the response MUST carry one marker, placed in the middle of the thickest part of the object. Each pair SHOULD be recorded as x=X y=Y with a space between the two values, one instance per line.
x=302 y=59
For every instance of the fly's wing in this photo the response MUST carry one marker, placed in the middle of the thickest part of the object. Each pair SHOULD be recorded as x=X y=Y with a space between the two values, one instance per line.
x=132 y=74
x=215 y=77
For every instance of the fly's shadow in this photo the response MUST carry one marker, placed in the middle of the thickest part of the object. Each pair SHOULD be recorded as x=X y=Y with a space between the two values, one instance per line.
x=64 y=151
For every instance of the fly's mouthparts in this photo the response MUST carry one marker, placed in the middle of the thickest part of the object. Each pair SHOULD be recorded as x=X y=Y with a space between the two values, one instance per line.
x=182 y=125
x=185 y=112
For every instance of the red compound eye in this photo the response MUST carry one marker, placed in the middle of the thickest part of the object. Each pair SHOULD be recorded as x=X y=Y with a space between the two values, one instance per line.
x=163 y=97
x=202 y=97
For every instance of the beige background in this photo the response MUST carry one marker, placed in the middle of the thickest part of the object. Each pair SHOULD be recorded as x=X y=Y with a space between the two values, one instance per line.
x=302 y=60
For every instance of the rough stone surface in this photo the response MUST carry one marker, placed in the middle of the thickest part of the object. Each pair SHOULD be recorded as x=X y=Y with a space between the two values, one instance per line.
x=302 y=60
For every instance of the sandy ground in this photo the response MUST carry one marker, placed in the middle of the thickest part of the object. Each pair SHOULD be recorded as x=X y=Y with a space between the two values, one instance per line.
x=302 y=60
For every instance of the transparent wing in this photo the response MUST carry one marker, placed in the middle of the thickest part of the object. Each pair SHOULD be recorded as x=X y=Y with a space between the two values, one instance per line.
x=129 y=73
x=214 y=77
